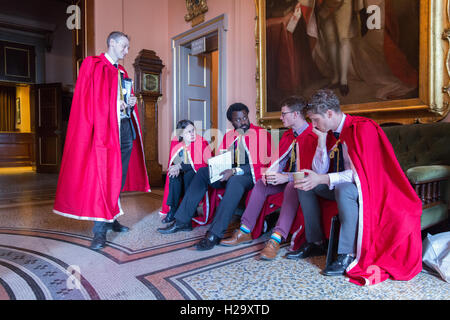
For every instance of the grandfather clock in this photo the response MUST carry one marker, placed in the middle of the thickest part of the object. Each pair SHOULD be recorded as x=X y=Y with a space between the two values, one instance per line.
x=148 y=67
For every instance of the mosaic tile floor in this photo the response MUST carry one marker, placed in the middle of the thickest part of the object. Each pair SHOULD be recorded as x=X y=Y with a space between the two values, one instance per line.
x=47 y=257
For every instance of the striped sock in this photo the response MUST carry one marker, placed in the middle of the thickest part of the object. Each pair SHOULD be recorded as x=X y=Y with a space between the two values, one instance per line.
x=276 y=237
x=245 y=229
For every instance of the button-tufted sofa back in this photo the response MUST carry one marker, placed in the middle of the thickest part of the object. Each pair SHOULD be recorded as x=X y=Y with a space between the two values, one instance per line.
x=420 y=144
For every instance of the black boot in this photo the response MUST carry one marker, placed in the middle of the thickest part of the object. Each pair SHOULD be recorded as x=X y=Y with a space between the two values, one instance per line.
x=308 y=250
x=117 y=227
x=208 y=242
x=175 y=227
x=339 y=266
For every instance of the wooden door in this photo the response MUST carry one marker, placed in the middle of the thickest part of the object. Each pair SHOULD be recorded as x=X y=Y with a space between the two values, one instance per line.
x=195 y=89
x=83 y=38
x=48 y=126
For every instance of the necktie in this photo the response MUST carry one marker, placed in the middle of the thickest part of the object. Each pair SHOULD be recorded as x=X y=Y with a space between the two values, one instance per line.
x=293 y=156
x=126 y=112
x=121 y=86
x=337 y=154
x=236 y=152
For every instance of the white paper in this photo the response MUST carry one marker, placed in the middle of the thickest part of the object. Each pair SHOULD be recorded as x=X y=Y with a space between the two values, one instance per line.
x=218 y=164
x=127 y=85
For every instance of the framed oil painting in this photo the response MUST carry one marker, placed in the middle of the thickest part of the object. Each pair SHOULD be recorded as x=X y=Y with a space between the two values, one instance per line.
x=18 y=112
x=381 y=57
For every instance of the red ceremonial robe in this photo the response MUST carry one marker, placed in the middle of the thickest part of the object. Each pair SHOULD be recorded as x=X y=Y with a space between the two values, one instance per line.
x=258 y=146
x=91 y=170
x=389 y=243
x=198 y=153
x=307 y=144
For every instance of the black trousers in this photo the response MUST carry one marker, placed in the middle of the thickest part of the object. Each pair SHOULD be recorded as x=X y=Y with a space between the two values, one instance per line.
x=127 y=135
x=178 y=187
x=235 y=188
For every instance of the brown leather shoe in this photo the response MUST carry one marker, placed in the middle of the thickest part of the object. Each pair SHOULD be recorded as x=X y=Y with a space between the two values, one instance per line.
x=237 y=238
x=270 y=251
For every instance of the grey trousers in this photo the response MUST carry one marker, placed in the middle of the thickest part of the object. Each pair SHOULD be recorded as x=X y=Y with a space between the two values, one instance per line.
x=346 y=196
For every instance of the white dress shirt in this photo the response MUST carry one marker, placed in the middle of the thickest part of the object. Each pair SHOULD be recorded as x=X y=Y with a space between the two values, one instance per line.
x=321 y=163
x=107 y=56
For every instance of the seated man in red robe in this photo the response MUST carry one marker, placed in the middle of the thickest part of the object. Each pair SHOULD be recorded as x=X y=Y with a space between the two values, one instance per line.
x=379 y=211
x=250 y=147
x=188 y=153
x=103 y=152
x=295 y=152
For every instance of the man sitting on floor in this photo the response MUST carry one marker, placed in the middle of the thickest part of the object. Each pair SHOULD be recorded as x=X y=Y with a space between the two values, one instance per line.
x=251 y=148
x=295 y=152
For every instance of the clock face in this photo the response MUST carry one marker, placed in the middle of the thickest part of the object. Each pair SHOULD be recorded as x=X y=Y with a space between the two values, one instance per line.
x=150 y=82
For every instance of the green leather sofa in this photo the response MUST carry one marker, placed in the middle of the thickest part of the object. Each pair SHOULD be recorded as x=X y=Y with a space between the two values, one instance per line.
x=423 y=151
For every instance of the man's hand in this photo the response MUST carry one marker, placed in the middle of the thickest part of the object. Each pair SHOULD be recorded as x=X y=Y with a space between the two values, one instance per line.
x=263 y=179
x=174 y=171
x=226 y=175
x=277 y=178
x=311 y=180
x=123 y=106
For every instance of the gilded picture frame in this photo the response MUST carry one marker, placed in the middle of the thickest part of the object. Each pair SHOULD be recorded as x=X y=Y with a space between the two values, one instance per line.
x=18 y=111
x=196 y=11
x=432 y=103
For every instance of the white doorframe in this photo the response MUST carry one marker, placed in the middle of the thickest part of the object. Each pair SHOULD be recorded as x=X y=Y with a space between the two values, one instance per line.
x=219 y=25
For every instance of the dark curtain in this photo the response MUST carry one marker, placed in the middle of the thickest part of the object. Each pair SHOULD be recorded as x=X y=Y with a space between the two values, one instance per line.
x=7 y=108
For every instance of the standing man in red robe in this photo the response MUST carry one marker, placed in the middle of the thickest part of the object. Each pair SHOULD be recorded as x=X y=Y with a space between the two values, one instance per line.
x=379 y=211
x=103 y=152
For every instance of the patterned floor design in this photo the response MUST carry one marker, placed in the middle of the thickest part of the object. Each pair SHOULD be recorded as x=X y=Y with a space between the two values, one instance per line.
x=47 y=257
